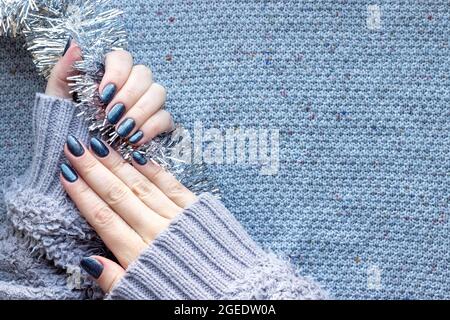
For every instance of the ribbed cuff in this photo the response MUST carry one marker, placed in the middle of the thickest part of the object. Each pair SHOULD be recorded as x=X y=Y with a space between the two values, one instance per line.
x=201 y=252
x=206 y=254
x=53 y=120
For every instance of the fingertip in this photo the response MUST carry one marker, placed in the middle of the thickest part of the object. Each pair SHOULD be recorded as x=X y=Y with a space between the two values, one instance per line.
x=99 y=148
x=58 y=81
x=139 y=158
x=92 y=266
x=70 y=44
x=137 y=138
x=68 y=173
x=72 y=55
x=107 y=273
x=118 y=66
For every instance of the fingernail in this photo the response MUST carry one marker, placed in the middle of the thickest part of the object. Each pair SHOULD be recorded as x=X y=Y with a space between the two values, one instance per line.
x=126 y=127
x=139 y=158
x=99 y=147
x=116 y=113
x=69 y=42
x=108 y=93
x=92 y=267
x=74 y=146
x=68 y=173
x=75 y=97
x=135 y=138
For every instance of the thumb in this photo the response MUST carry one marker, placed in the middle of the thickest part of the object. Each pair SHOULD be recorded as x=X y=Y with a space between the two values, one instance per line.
x=106 y=272
x=57 y=84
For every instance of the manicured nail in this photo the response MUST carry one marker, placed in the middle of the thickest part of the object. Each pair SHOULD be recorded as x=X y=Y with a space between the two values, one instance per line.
x=126 y=127
x=69 y=42
x=135 y=138
x=139 y=158
x=92 y=267
x=75 y=97
x=74 y=146
x=99 y=147
x=116 y=113
x=68 y=173
x=108 y=93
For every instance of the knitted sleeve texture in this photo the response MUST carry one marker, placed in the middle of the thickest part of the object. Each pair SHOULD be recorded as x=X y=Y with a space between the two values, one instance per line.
x=37 y=205
x=206 y=254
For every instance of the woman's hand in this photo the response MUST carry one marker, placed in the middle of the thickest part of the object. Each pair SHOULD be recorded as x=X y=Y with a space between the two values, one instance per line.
x=134 y=102
x=127 y=205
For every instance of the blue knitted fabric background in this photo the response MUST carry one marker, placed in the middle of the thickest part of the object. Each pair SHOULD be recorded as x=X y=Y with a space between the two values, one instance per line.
x=360 y=93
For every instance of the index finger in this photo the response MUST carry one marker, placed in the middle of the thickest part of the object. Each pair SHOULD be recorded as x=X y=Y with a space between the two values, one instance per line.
x=118 y=66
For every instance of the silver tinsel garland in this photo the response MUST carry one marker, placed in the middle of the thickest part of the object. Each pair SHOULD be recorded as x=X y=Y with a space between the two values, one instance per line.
x=47 y=25
x=13 y=16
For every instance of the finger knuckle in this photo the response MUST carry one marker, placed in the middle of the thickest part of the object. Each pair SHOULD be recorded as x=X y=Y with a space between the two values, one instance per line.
x=115 y=74
x=89 y=165
x=116 y=193
x=143 y=70
x=160 y=89
x=130 y=93
x=122 y=55
x=157 y=173
x=157 y=127
x=103 y=216
x=166 y=116
x=175 y=189
x=140 y=111
x=84 y=192
x=142 y=189
x=117 y=166
x=168 y=122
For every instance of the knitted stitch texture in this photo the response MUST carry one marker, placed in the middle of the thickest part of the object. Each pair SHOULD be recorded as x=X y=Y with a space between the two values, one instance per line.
x=205 y=254
x=360 y=92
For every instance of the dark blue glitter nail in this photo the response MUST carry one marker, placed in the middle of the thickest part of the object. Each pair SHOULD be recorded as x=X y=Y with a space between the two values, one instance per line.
x=68 y=43
x=116 y=113
x=68 y=173
x=74 y=146
x=92 y=267
x=135 y=138
x=126 y=127
x=99 y=148
x=139 y=158
x=108 y=93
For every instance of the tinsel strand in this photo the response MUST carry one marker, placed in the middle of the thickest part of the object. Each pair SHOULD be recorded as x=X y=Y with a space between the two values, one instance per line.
x=97 y=29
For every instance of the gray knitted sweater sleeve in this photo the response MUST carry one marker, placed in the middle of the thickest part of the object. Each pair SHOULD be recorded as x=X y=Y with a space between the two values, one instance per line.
x=206 y=254
x=41 y=213
x=203 y=254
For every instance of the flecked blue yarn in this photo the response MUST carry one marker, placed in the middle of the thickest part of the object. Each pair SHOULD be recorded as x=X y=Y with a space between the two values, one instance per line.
x=363 y=112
